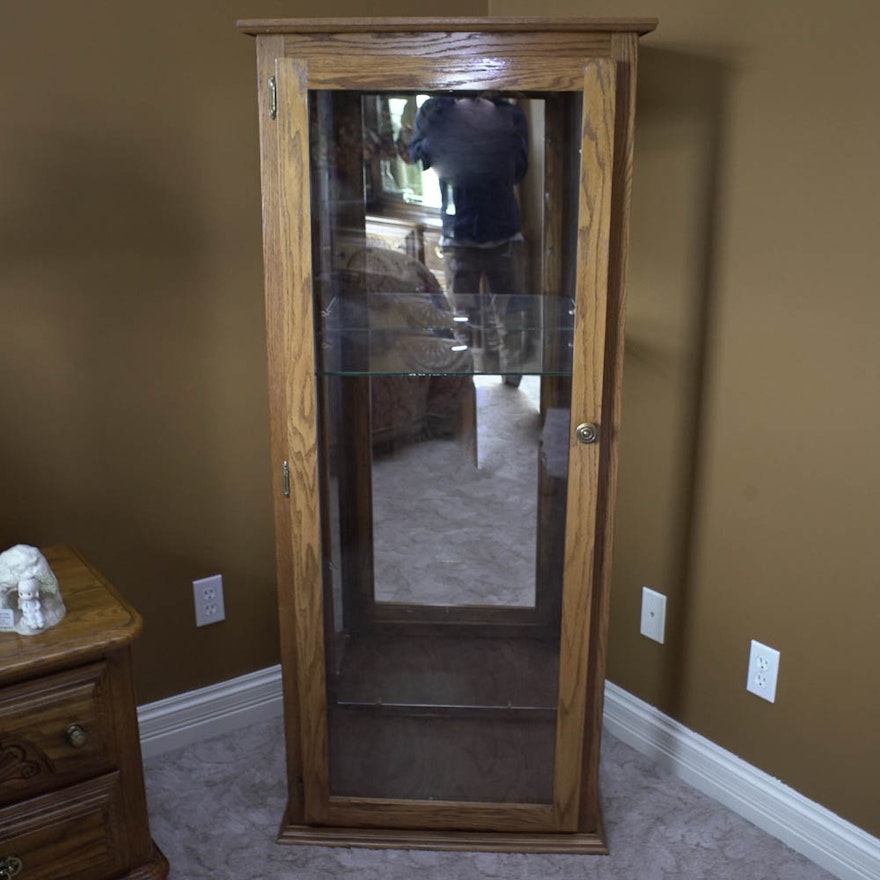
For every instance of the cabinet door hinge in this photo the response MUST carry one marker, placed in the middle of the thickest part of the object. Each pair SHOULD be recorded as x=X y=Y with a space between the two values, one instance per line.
x=285 y=479
x=273 y=98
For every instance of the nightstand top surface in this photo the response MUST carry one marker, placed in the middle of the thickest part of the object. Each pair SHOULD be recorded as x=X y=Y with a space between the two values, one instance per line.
x=98 y=620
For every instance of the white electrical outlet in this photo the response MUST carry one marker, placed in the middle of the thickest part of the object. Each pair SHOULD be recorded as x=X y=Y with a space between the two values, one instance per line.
x=208 y=597
x=763 y=671
x=653 y=624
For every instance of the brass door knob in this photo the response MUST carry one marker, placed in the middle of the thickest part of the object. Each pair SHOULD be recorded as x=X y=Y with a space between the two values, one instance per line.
x=587 y=432
x=76 y=736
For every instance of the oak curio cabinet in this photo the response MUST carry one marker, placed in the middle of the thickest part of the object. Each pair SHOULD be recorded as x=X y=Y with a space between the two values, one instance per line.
x=445 y=217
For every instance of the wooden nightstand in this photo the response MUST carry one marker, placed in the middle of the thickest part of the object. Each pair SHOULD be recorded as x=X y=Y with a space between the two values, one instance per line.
x=72 y=801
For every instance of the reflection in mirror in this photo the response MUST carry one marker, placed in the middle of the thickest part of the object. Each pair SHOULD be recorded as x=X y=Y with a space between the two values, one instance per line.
x=390 y=175
x=455 y=513
x=454 y=531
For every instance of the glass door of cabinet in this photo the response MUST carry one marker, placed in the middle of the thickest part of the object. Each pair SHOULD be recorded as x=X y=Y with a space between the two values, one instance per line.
x=442 y=653
x=443 y=361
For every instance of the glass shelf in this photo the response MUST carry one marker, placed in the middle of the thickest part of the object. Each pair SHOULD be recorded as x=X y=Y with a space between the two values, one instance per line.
x=419 y=334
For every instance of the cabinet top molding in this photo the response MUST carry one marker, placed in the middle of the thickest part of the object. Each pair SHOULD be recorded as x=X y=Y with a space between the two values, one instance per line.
x=484 y=24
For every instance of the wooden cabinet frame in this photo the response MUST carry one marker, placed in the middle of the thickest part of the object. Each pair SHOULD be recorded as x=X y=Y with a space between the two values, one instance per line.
x=598 y=59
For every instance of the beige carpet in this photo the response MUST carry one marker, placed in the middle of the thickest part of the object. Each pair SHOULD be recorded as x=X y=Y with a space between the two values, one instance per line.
x=215 y=808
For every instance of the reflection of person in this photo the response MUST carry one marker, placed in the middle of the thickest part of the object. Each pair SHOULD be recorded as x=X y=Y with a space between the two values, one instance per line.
x=479 y=149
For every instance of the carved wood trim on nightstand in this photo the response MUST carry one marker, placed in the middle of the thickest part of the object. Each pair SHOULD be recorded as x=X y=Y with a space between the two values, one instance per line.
x=15 y=764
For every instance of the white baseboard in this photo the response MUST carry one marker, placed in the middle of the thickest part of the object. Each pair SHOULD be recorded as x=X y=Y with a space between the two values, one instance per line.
x=831 y=842
x=824 y=838
x=219 y=708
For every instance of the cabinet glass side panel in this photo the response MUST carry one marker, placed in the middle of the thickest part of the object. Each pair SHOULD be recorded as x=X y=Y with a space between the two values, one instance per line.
x=444 y=376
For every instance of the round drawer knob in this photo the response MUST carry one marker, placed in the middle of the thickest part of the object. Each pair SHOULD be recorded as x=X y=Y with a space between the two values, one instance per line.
x=10 y=867
x=76 y=736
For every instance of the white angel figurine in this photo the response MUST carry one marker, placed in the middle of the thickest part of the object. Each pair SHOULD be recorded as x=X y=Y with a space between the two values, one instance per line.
x=30 y=599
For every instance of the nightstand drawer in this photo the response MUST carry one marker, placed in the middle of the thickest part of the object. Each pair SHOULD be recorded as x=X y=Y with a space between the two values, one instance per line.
x=54 y=731
x=74 y=834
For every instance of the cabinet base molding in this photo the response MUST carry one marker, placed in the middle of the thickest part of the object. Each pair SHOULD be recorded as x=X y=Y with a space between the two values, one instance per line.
x=575 y=844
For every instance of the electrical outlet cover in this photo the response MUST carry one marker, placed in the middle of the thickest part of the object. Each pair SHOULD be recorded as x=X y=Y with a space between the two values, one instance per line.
x=653 y=622
x=763 y=671
x=208 y=599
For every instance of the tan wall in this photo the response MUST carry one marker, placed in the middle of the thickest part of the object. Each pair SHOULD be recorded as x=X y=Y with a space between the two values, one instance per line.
x=132 y=355
x=750 y=483
x=132 y=358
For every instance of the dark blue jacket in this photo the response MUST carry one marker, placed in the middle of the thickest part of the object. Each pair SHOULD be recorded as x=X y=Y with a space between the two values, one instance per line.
x=479 y=149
